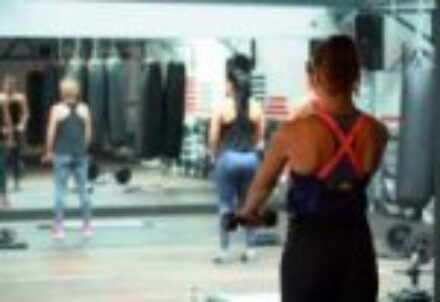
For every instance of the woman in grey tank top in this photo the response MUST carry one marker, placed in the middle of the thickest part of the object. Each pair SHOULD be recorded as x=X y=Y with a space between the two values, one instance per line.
x=68 y=136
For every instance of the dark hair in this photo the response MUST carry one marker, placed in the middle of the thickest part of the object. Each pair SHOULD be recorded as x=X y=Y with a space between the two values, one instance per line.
x=338 y=60
x=238 y=72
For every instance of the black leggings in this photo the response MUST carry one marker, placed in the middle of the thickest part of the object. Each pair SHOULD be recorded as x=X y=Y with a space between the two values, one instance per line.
x=15 y=157
x=331 y=265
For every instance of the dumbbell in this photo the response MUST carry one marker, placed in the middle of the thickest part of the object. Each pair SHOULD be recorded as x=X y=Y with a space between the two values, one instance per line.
x=7 y=236
x=121 y=175
x=230 y=221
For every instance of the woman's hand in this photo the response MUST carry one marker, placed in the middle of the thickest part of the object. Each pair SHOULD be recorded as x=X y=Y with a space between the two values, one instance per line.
x=249 y=216
x=47 y=158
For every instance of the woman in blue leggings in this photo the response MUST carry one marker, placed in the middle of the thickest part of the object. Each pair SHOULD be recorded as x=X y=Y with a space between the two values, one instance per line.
x=236 y=130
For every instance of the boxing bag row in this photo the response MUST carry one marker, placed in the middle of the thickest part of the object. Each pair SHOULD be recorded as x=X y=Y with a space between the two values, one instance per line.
x=163 y=110
x=415 y=173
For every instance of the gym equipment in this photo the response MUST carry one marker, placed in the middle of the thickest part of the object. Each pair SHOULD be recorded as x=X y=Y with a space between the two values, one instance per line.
x=174 y=110
x=415 y=158
x=34 y=92
x=370 y=35
x=7 y=236
x=418 y=249
x=122 y=175
x=96 y=94
x=230 y=221
x=398 y=238
x=8 y=240
x=116 y=84
x=152 y=123
x=195 y=160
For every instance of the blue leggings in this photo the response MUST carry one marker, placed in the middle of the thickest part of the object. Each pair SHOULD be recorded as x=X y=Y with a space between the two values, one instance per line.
x=234 y=172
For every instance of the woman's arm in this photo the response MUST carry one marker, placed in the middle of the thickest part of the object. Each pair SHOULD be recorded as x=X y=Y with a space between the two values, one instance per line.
x=259 y=125
x=50 y=134
x=25 y=112
x=88 y=124
x=214 y=131
x=7 y=121
x=274 y=162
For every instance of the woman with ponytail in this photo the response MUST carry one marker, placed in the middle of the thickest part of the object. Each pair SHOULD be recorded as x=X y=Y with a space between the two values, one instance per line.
x=236 y=130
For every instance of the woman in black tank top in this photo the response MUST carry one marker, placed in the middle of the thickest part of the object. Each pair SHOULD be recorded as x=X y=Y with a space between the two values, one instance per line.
x=19 y=113
x=331 y=150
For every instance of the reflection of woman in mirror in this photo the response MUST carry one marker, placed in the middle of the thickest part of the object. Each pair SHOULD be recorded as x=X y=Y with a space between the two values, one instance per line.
x=236 y=130
x=19 y=113
x=332 y=150
x=68 y=136
x=5 y=142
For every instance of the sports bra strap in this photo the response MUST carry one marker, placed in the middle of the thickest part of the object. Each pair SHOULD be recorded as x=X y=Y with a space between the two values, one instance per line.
x=346 y=144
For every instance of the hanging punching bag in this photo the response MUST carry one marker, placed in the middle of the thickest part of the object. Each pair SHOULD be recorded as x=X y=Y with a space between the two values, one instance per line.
x=96 y=94
x=116 y=85
x=50 y=90
x=415 y=155
x=152 y=121
x=34 y=92
x=133 y=77
x=175 y=110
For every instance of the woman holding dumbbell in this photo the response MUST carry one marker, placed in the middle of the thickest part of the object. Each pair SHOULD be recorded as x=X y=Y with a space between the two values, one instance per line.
x=332 y=149
x=236 y=130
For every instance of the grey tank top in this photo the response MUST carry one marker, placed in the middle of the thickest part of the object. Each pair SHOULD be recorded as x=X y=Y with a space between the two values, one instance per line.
x=70 y=135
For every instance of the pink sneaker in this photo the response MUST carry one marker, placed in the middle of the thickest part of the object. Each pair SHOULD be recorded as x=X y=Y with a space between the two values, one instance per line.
x=58 y=231
x=87 y=230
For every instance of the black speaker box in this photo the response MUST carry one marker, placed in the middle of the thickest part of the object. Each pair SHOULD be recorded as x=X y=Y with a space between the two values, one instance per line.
x=370 y=38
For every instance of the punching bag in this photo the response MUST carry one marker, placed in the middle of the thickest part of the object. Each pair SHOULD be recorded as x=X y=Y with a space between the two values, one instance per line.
x=174 y=100
x=152 y=111
x=415 y=155
x=34 y=92
x=50 y=90
x=96 y=94
x=116 y=85
x=134 y=114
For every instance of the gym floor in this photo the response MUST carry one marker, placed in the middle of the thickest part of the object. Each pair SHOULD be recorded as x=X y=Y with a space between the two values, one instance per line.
x=152 y=258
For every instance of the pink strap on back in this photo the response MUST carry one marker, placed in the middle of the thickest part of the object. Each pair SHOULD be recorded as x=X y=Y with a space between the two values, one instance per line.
x=346 y=142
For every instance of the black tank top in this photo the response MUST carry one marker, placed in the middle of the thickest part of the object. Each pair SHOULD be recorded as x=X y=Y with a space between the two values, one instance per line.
x=15 y=112
x=70 y=135
x=339 y=199
x=238 y=135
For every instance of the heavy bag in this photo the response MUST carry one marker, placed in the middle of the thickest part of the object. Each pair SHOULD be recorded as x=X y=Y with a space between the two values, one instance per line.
x=34 y=92
x=152 y=126
x=415 y=152
x=116 y=84
x=96 y=94
x=174 y=110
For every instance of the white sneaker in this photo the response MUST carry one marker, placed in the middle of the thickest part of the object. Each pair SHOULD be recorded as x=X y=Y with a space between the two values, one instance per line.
x=87 y=230
x=58 y=231
x=248 y=255
x=223 y=256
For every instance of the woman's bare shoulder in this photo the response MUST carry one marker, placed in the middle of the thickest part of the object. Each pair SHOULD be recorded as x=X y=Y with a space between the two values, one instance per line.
x=376 y=127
